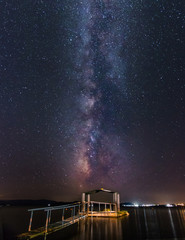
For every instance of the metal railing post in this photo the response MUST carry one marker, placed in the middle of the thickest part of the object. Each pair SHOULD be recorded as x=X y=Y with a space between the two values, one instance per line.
x=47 y=219
x=79 y=209
x=63 y=215
x=73 y=214
x=31 y=217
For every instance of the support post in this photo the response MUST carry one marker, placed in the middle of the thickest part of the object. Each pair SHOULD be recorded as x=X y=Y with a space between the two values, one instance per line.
x=31 y=217
x=118 y=202
x=115 y=201
x=88 y=202
x=99 y=207
x=83 y=202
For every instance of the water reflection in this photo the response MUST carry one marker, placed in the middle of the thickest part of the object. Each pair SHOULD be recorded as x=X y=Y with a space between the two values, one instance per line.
x=142 y=223
x=99 y=228
x=172 y=223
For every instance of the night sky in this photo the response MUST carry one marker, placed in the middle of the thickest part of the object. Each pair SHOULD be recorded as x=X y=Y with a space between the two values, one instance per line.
x=92 y=94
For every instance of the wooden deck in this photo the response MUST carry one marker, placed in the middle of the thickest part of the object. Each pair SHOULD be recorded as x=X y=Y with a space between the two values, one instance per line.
x=51 y=228
x=108 y=214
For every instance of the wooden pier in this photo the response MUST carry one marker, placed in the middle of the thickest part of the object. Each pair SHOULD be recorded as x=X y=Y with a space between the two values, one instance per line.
x=75 y=212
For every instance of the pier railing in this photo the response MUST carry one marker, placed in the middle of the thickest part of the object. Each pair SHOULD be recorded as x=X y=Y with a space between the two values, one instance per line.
x=95 y=206
x=75 y=211
x=65 y=215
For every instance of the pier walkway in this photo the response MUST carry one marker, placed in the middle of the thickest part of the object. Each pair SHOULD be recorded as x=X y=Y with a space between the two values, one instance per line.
x=71 y=214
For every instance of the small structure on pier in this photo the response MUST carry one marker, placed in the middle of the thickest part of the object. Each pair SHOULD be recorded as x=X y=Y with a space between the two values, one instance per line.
x=94 y=208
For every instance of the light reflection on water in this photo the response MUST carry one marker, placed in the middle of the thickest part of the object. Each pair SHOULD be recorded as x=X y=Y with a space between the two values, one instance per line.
x=99 y=228
x=142 y=223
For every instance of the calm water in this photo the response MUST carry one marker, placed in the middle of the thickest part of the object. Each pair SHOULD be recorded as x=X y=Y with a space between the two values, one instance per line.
x=142 y=223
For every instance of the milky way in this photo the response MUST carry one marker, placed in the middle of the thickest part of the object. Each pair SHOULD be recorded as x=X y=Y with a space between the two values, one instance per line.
x=97 y=156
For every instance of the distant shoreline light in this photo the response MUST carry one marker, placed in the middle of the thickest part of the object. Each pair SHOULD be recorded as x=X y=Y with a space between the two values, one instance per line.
x=153 y=205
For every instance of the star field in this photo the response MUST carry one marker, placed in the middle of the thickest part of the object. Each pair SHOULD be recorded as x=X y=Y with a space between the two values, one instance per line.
x=92 y=94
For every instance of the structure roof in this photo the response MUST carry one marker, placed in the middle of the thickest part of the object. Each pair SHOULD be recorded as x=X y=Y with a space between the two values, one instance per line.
x=99 y=190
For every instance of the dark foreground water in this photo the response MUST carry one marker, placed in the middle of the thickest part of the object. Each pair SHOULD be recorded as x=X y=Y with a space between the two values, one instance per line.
x=142 y=223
